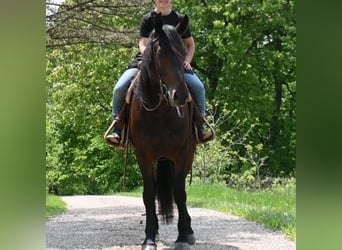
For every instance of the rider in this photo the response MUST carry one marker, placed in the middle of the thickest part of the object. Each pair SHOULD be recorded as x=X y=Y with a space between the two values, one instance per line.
x=194 y=83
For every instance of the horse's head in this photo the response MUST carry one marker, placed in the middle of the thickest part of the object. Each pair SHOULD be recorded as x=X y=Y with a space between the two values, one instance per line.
x=168 y=55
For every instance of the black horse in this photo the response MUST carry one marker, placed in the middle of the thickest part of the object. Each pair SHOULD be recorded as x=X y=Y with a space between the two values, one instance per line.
x=160 y=125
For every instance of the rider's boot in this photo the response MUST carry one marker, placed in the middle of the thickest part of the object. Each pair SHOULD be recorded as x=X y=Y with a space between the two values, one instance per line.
x=204 y=136
x=115 y=138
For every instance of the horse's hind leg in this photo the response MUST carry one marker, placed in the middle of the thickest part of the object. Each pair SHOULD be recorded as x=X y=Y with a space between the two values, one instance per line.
x=151 y=228
x=185 y=232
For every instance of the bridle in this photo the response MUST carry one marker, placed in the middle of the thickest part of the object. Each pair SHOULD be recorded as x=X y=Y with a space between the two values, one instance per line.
x=162 y=85
x=163 y=92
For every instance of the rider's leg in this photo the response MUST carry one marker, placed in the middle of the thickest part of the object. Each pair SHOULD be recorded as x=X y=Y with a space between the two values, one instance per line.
x=119 y=94
x=198 y=90
x=120 y=90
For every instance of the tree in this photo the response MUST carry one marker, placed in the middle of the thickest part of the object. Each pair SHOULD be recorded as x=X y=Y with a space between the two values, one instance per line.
x=246 y=56
x=94 y=22
x=89 y=43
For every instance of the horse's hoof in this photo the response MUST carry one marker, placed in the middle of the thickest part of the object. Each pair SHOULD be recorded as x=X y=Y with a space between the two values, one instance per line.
x=182 y=246
x=148 y=247
x=191 y=239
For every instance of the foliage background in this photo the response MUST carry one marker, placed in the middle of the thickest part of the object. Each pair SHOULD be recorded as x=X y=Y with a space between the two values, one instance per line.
x=245 y=56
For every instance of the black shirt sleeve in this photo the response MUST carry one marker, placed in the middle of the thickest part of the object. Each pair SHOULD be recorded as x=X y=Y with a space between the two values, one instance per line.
x=146 y=25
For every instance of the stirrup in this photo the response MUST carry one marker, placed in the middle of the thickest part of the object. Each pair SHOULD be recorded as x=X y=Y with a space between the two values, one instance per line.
x=107 y=135
x=204 y=140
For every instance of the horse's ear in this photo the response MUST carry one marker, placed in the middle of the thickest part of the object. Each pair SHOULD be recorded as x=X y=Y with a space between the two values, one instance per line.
x=183 y=25
x=158 y=24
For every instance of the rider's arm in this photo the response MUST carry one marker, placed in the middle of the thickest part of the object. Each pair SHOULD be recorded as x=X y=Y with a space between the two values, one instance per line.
x=190 y=51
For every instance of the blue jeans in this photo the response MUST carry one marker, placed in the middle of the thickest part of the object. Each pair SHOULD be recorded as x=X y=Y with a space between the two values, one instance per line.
x=197 y=90
x=121 y=87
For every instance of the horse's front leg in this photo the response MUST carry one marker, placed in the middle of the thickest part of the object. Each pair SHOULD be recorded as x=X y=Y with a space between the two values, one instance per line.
x=151 y=229
x=185 y=232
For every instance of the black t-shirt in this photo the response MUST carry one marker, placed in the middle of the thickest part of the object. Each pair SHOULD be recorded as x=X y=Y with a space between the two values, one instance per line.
x=147 y=23
x=147 y=26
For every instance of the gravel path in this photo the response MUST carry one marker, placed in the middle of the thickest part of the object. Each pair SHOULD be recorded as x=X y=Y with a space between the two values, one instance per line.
x=117 y=222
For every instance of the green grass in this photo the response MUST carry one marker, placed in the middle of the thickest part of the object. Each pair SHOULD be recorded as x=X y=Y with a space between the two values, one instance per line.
x=54 y=206
x=275 y=209
x=137 y=192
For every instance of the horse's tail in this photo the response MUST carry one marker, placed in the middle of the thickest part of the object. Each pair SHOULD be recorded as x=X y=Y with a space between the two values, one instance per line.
x=165 y=186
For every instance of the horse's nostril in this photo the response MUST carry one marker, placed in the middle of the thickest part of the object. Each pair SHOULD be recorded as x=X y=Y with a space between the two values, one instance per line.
x=179 y=98
x=175 y=96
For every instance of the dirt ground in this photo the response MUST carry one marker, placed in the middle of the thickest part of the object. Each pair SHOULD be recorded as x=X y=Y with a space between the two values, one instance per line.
x=117 y=222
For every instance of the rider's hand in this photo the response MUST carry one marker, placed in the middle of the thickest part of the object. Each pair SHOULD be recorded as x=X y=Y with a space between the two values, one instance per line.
x=187 y=65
